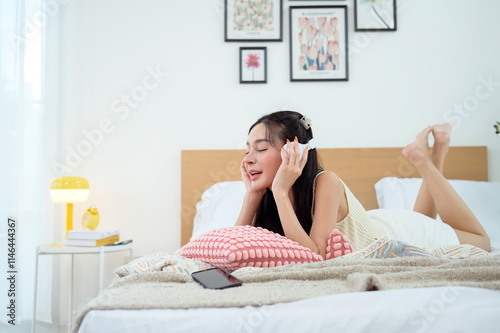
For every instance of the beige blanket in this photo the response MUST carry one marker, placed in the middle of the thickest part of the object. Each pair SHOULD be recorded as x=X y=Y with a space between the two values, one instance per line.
x=291 y=283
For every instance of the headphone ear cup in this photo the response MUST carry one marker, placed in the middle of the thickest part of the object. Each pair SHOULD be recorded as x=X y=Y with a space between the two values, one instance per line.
x=302 y=146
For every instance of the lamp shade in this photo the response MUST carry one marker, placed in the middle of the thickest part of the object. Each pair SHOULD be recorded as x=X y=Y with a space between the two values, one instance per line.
x=69 y=189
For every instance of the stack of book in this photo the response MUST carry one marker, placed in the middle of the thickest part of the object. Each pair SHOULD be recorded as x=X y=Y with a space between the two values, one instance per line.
x=92 y=238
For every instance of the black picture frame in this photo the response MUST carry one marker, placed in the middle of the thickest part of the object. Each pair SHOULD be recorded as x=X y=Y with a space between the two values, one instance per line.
x=326 y=29
x=380 y=15
x=248 y=26
x=253 y=70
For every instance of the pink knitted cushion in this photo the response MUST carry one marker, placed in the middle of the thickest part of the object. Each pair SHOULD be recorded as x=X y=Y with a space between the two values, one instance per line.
x=235 y=247
x=338 y=245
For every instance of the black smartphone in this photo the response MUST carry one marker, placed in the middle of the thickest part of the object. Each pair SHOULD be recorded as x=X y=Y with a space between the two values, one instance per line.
x=215 y=278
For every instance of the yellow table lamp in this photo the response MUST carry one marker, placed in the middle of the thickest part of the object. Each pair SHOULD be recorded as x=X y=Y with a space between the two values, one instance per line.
x=69 y=190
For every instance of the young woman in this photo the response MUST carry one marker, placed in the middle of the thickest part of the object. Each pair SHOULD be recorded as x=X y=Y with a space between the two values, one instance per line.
x=294 y=197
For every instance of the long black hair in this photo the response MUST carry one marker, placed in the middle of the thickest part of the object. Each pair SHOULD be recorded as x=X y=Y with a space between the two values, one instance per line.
x=281 y=126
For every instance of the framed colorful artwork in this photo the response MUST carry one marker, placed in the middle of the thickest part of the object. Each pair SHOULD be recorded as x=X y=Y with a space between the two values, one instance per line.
x=318 y=43
x=253 y=65
x=253 y=20
x=375 y=15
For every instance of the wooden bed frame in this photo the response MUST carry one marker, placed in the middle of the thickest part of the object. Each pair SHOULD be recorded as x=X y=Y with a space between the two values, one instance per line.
x=359 y=168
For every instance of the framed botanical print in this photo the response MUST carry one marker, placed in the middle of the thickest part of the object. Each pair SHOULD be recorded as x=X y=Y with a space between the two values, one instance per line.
x=253 y=65
x=253 y=20
x=318 y=43
x=375 y=15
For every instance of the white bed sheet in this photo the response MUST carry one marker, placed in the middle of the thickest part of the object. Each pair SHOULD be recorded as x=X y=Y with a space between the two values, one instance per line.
x=439 y=309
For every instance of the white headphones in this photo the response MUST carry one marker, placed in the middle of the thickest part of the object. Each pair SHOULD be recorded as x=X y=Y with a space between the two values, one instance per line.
x=310 y=145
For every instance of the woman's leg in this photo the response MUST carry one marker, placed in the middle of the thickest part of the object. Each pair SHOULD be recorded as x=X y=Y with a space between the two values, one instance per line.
x=441 y=133
x=451 y=208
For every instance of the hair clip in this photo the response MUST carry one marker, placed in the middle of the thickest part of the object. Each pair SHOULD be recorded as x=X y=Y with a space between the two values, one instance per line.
x=306 y=122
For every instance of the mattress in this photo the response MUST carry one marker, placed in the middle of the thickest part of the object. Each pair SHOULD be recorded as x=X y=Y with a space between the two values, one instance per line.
x=438 y=309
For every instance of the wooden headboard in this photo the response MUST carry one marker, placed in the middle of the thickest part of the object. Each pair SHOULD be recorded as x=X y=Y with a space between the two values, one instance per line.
x=359 y=168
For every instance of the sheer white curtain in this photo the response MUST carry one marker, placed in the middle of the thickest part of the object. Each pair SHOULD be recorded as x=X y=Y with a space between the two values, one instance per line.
x=28 y=146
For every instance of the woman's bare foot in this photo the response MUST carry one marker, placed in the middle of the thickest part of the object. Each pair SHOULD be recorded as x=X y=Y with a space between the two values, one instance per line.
x=417 y=152
x=441 y=134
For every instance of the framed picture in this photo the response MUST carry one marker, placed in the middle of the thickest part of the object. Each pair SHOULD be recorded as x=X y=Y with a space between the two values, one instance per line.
x=375 y=15
x=318 y=43
x=253 y=20
x=253 y=65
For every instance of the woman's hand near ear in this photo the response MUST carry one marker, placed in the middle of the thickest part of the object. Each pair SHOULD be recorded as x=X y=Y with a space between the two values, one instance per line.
x=290 y=169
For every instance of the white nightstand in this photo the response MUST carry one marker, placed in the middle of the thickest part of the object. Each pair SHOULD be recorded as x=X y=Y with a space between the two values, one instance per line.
x=59 y=248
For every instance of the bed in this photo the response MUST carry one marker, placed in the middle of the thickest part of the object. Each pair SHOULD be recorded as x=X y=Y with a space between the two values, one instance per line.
x=356 y=294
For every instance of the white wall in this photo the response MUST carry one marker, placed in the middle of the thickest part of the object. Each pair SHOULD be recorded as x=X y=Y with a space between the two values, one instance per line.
x=399 y=82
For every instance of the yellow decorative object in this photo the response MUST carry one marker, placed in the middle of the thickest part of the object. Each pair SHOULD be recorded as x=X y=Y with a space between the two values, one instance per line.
x=69 y=190
x=90 y=218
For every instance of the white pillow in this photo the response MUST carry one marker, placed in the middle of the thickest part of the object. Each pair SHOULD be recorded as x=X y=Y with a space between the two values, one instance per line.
x=219 y=207
x=483 y=198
